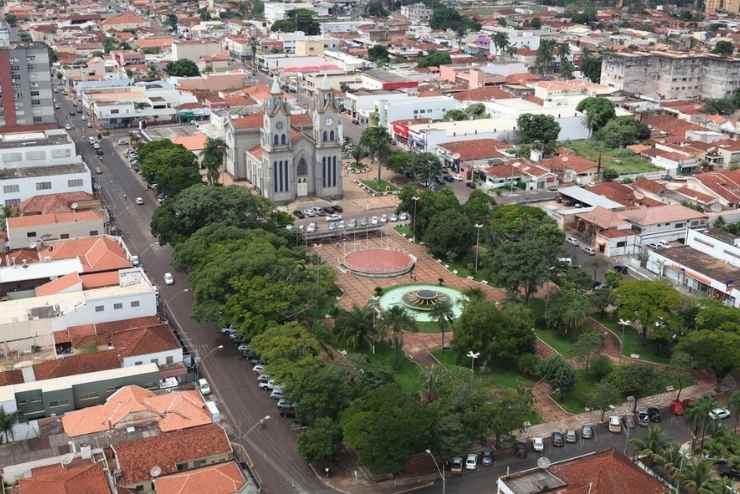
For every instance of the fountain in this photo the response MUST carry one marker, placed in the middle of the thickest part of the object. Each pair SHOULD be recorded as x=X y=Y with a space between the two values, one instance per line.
x=418 y=300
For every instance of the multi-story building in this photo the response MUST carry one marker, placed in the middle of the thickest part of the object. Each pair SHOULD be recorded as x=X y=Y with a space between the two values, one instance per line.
x=417 y=13
x=25 y=84
x=193 y=50
x=37 y=163
x=671 y=75
x=728 y=6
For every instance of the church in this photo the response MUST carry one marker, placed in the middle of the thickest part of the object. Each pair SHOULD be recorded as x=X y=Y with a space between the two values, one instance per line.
x=293 y=159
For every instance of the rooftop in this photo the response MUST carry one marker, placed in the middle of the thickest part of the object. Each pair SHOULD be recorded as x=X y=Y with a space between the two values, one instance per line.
x=136 y=459
x=29 y=139
x=703 y=264
x=662 y=214
x=224 y=478
x=54 y=218
x=100 y=253
x=42 y=171
x=79 y=477
x=586 y=197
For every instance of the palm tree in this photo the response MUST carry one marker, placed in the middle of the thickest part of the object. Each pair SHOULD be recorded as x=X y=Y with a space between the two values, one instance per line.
x=696 y=475
x=213 y=158
x=375 y=141
x=442 y=313
x=354 y=328
x=501 y=42
x=698 y=417
x=671 y=459
x=395 y=321
x=651 y=446
x=7 y=421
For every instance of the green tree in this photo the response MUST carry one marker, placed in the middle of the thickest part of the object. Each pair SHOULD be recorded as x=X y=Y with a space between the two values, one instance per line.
x=434 y=59
x=587 y=346
x=698 y=417
x=623 y=131
x=443 y=315
x=182 y=68
x=591 y=66
x=319 y=390
x=455 y=115
x=395 y=321
x=450 y=235
x=535 y=23
x=476 y=111
x=204 y=14
x=11 y=19
x=193 y=251
x=172 y=21
x=354 y=329
x=713 y=314
x=172 y=167
x=538 y=129
x=321 y=441
x=652 y=445
x=375 y=8
x=109 y=44
x=718 y=351
x=500 y=40
x=376 y=143
x=510 y=409
x=298 y=20
x=545 y=56
x=378 y=54
x=449 y=18
x=571 y=309
x=523 y=243
x=200 y=205
x=648 y=304
x=598 y=112
x=697 y=474
x=724 y=48
x=284 y=344
x=603 y=395
x=501 y=335
x=425 y=167
x=559 y=374
x=733 y=404
x=478 y=207
x=386 y=427
x=258 y=8
x=680 y=371
x=7 y=421
x=213 y=158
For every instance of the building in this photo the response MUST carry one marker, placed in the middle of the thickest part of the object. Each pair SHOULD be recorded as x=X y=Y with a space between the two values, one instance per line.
x=223 y=478
x=414 y=107
x=27 y=231
x=729 y=6
x=464 y=157
x=38 y=163
x=194 y=50
x=25 y=80
x=518 y=174
x=85 y=476
x=277 y=11
x=518 y=38
x=571 y=168
x=134 y=406
x=289 y=163
x=605 y=472
x=43 y=398
x=417 y=13
x=136 y=467
x=671 y=75
x=379 y=79
x=425 y=137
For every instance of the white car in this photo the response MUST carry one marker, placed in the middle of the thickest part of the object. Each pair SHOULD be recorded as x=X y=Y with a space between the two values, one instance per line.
x=91 y=140
x=139 y=201
x=374 y=220
x=615 y=424
x=258 y=369
x=403 y=217
x=68 y=126
x=538 y=444
x=205 y=388
x=169 y=279
x=719 y=414
x=572 y=241
x=384 y=218
x=471 y=462
x=135 y=260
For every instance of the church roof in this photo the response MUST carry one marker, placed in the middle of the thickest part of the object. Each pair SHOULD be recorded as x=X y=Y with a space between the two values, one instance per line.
x=256 y=151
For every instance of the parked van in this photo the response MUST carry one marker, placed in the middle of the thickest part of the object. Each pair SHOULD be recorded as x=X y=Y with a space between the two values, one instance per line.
x=205 y=388
x=214 y=411
x=615 y=424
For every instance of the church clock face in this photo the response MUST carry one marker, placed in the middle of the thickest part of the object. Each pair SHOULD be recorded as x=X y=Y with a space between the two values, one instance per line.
x=279 y=126
x=329 y=121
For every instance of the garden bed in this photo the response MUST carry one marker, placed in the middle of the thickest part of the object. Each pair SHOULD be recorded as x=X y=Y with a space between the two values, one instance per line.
x=379 y=186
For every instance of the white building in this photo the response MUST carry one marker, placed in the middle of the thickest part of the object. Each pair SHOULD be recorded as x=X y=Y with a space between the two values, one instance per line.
x=413 y=107
x=526 y=38
x=38 y=163
x=194 y=50
x=425 y=138
x=417 y=13
x=276 y=11
x=342 y=26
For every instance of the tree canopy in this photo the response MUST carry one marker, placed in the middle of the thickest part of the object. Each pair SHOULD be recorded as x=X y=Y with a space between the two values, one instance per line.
x=541 y=129
x=724 y=48
x=623 y=131
x=182 y=68
x=298 y=20
x=598 y=111
x=647 y=304
x=172 y=167
x=450 y=18
x=434 y=59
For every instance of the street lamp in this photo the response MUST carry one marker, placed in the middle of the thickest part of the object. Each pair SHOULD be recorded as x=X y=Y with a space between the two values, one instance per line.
x=477 y=243
x=201 y=361
x=624 y=323
x=473 y=356
x=414 y=198
x=441 y=471
x=260 y=422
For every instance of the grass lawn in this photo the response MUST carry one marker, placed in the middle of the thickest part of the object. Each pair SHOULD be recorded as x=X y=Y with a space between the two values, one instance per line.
x=380 y=185
x=494 y=378
x=576 y=400
x=407 y=374
x=622 y=161
x=560 y=343
x=405 y=230
x=633 y=343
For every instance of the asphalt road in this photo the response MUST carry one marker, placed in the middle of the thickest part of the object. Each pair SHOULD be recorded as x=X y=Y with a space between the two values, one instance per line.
x=272 y=448
x=484 y=479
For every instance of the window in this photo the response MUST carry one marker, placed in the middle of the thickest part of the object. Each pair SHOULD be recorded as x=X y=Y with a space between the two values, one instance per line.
x=199 y=463
x=37 y=119
x=114 y=112
x=12 y=157
x=117 y=306
x=61 y=153
x=182 y=466
x=31 y=235
x=275 y=140
x=9 y=189
x=325 y=136
x=621 y=244
x=732 y=254
x=170 y=360
x=64 y=236
x=283 y=139
x=99 y=308
x=12 y=203
x=75 y=182
x=135 y=303
x=43 y=185
x=155 y=361
x=93 y=233
x=138 y=363
x=89 y=396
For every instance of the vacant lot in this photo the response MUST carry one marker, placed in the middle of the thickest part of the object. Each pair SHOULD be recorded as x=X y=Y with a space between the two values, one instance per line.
x=621 y=161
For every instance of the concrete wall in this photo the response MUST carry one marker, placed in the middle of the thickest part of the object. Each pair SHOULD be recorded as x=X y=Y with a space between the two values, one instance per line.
x=159 y=358
x=15 y=190
x=18 y=237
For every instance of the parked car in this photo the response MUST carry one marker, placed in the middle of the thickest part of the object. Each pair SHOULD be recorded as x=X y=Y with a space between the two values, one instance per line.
x=719 y=413
x=204 y=387
x=68 y=127
x=384 y=218
x=471 y=462
x=403 y=217
x=299 y=214
x=588 y=250
x=571 y=436
x=557 y=439
x=572 y=240
x=538 y=444
x=456 y=465
x=654 y=414
x=169 y=279
x=615 y=424
x=277 y=393
x=393 y=218
x=487 y=457
x=643 y=419
x=285 y=408
x=587 y=432
x=374 y=220
x=135 y=260
x=243 y=347
x=264 y=385
x=727 y=469
x=227 y=330
x=140 y=201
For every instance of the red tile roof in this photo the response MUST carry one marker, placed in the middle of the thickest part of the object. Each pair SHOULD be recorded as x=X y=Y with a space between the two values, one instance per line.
x=225 y=478
x=486 y=93
x=81 y=363
x=136 y=458
x=96 y=253
x=608 y=472
x=78 y=334
x=477 y=149
x=615 y=191
x=76 y=478
x=54 y=218
x=725 y=184
x=568 y=160
x=59 y=285
x=695 y=195
x=253 y=121
x=143 y=341
x=53 y=203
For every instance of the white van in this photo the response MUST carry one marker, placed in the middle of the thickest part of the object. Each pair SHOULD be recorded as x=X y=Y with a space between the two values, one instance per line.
x=615 y=424
x=205 y=388
x=214 y=411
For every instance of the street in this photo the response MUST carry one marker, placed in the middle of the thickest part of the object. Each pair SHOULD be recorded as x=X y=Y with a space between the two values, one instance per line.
x=484 y=479
x=272 y=448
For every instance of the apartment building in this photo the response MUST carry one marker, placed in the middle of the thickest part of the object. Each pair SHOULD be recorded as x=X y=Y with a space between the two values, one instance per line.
x=194 y=50
x=25 y=86
x=728 y=6
x=417 y=13
x=414 y=107
x=25 y=231
x=38 y=163
x=671 y=75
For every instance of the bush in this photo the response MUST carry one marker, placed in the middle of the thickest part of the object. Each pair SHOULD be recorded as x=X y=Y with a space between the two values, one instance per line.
x=600 y=368
x=559 y=374
x=528 y=364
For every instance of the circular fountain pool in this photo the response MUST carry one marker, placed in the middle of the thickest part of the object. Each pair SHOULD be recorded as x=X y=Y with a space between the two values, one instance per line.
x=418 y=300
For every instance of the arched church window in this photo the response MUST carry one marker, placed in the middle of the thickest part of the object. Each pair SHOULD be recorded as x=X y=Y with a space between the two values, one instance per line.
x=283 y=139
x=331 y=136
x=275 y=140
x=325 y=136
x=302 y=168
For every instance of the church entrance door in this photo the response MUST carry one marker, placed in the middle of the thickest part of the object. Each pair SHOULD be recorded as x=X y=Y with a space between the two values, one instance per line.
x=302 y=187
x=301 y=178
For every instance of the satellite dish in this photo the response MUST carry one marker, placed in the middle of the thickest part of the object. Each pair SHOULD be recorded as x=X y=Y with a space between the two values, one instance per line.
x=542 y=462
x=155 y=472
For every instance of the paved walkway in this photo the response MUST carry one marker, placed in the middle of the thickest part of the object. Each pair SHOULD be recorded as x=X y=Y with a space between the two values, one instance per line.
x=546 y=407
